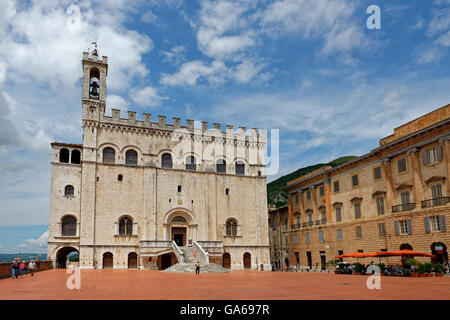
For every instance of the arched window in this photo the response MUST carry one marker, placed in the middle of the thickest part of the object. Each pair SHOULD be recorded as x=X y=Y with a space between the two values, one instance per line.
x=64 y=155
x=190 y=163
x=69 y=226
x=240 y=168
x=125 y=226
x=69 y=191
x=231 y=227
x=166 y=160
x=94 y=83
x=76 y=156
x=109 y=155
x=179 y=219
x=221 y=166
x=131 y=157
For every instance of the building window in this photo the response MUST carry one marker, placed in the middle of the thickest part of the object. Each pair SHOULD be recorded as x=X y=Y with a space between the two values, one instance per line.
x=436 y=191
x=381 y=229
x=336 y=186
x=64 y=155
x=179 y=189
x=323 y=214
x=297 y=219
x=286 y=239
x=296 y=198
x=221 y=166
x=380 y=205
x=307 y=238
x=76 y=157
x=286 y=224
x=357 y=210
x=109 y=155
x=358 y=230
x=295 y=238
x=321 y=191
x=274 y=221
x=435 y=223
x=231 y=227
x=432 y=155
x=339 y=234
x=131 y=157
x=401 y=165
x=125 y=226
x=69 y=191
x=377 y=173
x=166 y=161
x=338 y=214
x=321 y=239
x=240 y=168
x=227 y=191
x=120 y=177
x=69 y=226
x=404 y=197
x=309 y=217
x=403 y=227
x=190 y=163
x=355 y=181
x=308 y=195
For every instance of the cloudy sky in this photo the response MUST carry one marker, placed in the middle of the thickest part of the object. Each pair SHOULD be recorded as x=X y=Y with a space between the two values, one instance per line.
x=311 y=69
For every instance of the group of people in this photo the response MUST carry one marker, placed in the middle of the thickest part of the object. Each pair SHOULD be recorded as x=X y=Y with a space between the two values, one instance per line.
x=19 y=268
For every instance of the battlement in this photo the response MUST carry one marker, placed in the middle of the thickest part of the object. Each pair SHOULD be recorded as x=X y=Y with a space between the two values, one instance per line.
x=94 y=58
x=191 y=126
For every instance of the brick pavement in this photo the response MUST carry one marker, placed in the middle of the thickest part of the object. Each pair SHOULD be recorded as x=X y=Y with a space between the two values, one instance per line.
x=146 y=284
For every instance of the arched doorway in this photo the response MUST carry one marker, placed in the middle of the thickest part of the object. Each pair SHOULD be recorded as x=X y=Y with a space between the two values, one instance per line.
x=179 y=230
x=226 y=260
x=439 y=249
x=405 y=246
x=132 y=260
x=247 y=261
x=108 y=260
x=166 y=261
x=66 y=255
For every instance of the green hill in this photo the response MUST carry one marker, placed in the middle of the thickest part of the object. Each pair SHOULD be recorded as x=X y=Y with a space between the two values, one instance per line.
x=276 y=194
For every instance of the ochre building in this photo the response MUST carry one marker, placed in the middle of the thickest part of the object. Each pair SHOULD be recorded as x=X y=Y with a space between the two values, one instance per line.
x=136 y=193
x=394 y=197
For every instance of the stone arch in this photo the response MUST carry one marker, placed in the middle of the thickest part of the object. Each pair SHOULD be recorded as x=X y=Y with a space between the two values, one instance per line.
x=180 y=211
x=107 y=260
x=226 y=260
x=61 y=256
x=188 y=229
x=64 y=155
x=132 y=260
x=247 y=260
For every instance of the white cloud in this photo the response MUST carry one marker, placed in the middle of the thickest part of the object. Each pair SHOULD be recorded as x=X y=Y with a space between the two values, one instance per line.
x=35 y=245
x=193 y=71
x=147 y=96
x=175 y=55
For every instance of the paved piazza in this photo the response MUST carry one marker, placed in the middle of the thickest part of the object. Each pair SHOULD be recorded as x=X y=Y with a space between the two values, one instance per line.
x=146 y=284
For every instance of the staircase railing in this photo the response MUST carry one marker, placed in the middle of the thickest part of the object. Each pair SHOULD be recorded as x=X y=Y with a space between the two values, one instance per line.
x=178 y=253
x=202 y=252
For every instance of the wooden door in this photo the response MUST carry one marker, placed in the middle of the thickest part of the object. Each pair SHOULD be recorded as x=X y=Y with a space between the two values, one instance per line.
x=132 y=260
x=107 y=260
x=226 y=260
x=247 y=261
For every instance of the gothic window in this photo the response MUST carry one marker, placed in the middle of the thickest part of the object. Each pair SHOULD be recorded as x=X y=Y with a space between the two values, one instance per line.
x=190 y=163
x=231 y=227
x=68 y=191
x=109 y=155
x=69 y=226
x=64 y=155
x=131 y=157
x=166 y=160
x=240 y=168
x=221 y=166
x=76 y=156
x=125 y=226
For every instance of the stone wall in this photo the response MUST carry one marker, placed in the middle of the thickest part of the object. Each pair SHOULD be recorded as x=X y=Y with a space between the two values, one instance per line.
x=5 y=268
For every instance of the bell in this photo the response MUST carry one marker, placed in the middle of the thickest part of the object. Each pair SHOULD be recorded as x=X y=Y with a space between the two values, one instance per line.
x=94 y=87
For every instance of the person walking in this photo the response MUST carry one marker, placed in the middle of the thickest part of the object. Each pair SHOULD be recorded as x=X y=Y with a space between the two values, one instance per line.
x=22 y=268
x=15 y=269
x=32 y=266
x=197 y=267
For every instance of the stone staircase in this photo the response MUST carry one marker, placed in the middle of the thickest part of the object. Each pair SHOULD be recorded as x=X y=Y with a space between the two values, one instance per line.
x=189 y=264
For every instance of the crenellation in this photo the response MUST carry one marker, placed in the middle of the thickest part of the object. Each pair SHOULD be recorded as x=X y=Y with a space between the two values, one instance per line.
x=147 y=119
x=176 y=122
x=190 y=125
x=115 y=114
x=162 y=121
x=204 y=126
x=132 y=116
x=217 y=126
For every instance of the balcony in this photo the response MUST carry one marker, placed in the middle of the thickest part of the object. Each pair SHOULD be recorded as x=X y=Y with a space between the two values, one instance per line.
x=319 y=222
x=403 y=207
x=442 y=201
x=307 y=224
x=296 y=226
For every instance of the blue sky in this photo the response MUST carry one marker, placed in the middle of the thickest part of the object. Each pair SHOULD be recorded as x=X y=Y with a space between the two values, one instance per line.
x=311 y=69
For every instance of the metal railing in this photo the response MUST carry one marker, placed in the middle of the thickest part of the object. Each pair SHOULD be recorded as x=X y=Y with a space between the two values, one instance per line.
x=442 y=201
x=296 y=226
x=178 y=253
x=319 y=222
x=404 y=207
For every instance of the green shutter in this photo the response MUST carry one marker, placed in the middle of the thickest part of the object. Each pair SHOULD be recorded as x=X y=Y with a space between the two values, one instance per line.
x=397 y=232
x=442 y=223
x=408 y=223
x=425 y=159
x=426 y=221
x=439 y=153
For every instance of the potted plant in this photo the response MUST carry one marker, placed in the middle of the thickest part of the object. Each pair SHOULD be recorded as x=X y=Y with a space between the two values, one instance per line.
x=438 y=270
x=382 y=268
x=333 y=263
x=427 y=269
x=414 y=267
x=421 y=270
x=358 y=267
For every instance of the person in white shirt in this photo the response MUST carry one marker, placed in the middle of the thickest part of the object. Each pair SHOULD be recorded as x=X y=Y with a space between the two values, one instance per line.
x=32 y=266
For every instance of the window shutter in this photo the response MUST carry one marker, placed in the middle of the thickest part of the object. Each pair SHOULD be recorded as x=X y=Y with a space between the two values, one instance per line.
x=426 y=220
x=408 y=222
x=439 y=153
x=397 y=232
x=425 y=158
x=442 y=223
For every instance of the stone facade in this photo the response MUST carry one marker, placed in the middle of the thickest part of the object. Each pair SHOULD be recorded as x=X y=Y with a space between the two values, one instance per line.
x=127 y=203
x=278 y=237
x=394 y=197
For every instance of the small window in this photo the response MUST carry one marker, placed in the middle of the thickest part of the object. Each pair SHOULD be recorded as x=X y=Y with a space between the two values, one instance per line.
x=436 y=191
x=355 y=181
x=338 y=214
x=358 y=232
x=240 y=168
x=259 y=173
x=69 y=226
x=286 y=239
x=339 y=234
x=227 y=191
x=381 y=229
x=166 y=161
x=297 y=219
x=323 y=214
x=274 y=222
x=336 y=186
x=221 y=166
x=308 y=195
x=404 y=226
x=109 y=155
x=295 y=238
x=436 y=223
x=401 y=165
x=231 y=227
x=190 y=163
x=131 y=157
x=296 y=198
x=69 y=191
x=432 y=155
x=64 y=155
x=179 y=188
x=125 y=226
x=321 y=239
x=119 y=177
x=377 y=173
x=309 y=217
x=380 y=205
x=322 y=191
x=307 y=238
x=76 y=157
x=357 y=206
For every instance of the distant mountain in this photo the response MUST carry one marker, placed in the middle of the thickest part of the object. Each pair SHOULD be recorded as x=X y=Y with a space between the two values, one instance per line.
x=276 y=193
x=9 y=257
